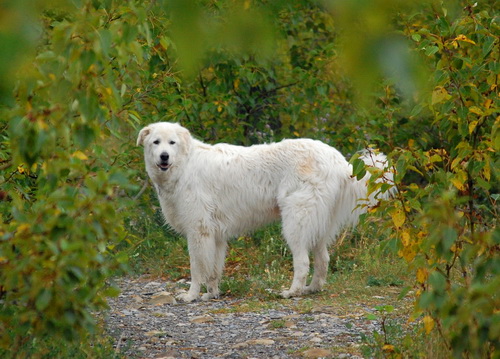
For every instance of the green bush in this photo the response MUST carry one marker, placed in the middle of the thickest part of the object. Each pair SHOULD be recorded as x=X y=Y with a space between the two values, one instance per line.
x=445 y=213
x=65 y=178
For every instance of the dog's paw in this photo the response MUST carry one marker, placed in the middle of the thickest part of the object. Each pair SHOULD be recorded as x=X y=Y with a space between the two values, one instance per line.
x=291 y=293
x=207 y=296
x=187 y=297
x=312 y=289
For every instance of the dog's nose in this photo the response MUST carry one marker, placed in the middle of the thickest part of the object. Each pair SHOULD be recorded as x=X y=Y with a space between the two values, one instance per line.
x=164 y=156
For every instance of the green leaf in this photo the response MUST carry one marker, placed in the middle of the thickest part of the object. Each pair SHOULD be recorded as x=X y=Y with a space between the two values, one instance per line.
x=84 y=135
x=404 y=292
x=488 y=45
x=437 y=281
x=43 y=299
x=105 y=41
x=358 y=168
x=431 y=50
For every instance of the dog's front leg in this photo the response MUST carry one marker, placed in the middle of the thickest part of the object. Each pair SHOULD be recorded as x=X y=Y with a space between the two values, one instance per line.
x=194 y=290
x=203 y=258
x=215 y=276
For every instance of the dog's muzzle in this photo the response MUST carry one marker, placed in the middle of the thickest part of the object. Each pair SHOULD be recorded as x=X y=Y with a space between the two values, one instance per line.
x=163 y=164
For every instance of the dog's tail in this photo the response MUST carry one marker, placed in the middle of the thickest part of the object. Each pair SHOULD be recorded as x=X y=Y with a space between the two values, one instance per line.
x=355 y=198
x=378 y=160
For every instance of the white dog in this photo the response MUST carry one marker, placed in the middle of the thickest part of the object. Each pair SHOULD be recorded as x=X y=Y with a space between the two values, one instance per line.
x=211 y=194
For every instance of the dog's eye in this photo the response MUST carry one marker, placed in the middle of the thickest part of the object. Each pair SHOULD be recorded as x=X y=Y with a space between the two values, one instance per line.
x=172 y=142
x=157 y=142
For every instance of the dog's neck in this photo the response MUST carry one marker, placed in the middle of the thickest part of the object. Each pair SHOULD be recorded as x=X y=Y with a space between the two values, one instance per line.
x=164 y=182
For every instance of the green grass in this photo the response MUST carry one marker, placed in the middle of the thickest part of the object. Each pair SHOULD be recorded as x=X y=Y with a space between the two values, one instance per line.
x=49 y=347
x=277 y=324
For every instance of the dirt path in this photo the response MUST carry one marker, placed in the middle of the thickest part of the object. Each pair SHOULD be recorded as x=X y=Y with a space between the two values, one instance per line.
x=146 y=322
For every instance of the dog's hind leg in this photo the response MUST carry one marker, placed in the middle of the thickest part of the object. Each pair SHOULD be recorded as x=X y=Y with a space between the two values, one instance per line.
x=321 y=260
x=297 y=233
x=300 y=272
x=305 y=218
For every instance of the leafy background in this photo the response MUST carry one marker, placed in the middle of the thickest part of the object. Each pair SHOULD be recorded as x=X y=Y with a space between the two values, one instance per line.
x=78 y=79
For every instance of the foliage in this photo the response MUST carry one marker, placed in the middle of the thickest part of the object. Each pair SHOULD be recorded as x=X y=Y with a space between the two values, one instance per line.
x=84 y=76
x=399 y=338
x=445 y=213
x=65 y=177
x=95 y=345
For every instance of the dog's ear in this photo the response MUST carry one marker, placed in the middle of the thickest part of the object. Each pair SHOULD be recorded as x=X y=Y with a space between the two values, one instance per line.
x=186 y=140
x=142 y=135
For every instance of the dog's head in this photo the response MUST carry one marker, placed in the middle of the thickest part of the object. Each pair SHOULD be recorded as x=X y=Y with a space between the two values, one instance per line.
x=165 y=145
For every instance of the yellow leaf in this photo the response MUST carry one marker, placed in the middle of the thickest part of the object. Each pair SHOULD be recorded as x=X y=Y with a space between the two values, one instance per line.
x=487 y=103
x=459 y=180
x=23 y=228
x=21 y=169
x=464 y=39
x=476 y=110
x=487 y=170
x=435 y=158
x=472 y=126
x=398 y=218
x=456 y=162
x=458 y=184
x=411 y=143
x=405 y=239
x=388 y=348
x=413 y=187
x=80 y=155
x=422 y=275
x=409 y=254
x=439 y=95
x=428 y=324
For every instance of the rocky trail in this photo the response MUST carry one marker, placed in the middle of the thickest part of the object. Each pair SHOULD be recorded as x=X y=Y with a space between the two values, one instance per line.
x=146 y=322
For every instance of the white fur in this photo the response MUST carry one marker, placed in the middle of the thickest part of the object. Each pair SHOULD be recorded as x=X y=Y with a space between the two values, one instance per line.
x=211 y=194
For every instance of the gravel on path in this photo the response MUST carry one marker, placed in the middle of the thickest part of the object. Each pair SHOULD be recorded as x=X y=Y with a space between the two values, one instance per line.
x=147 y=322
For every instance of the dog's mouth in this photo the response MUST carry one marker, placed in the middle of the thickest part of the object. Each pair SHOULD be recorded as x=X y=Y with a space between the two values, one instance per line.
x=164 y=166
